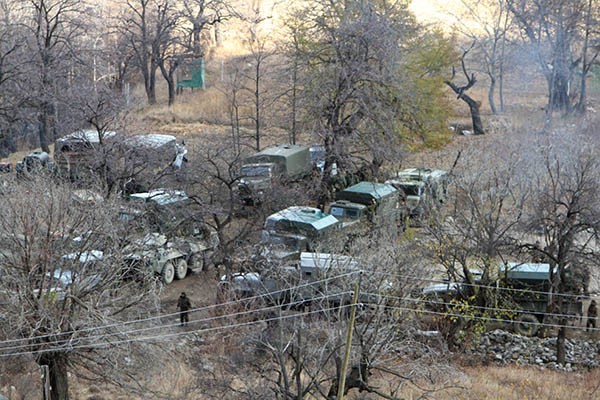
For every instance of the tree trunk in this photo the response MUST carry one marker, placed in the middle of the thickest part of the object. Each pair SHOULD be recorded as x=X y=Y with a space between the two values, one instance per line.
x=473 y=106
x=257 y=104
x=584 y=60
x=560 y=343
x=491 y=90
x=152 y=86
x=475 y=116
x=59 y=382
x=43 y=128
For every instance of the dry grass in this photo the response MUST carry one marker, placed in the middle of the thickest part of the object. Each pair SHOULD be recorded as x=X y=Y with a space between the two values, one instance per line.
x=520 y=383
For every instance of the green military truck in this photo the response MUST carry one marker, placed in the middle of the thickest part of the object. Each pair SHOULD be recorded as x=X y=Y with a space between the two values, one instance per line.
x=367 y=202
x=522 y=287
x=282 y=163
x=422 y=188
x=288 y=232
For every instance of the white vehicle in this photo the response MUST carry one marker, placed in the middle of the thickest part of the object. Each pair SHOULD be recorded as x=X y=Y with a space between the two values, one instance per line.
x=316 y=276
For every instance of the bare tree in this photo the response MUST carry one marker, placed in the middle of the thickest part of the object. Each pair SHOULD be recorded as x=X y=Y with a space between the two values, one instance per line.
x=299 y=351
x=358 y=88
x=147 y=25
x=10 y=75
x=554 y=31
x=64 y=281
x=54 y=27
x=565 y=211
x=202 y=15
x=166 y=44
x=461 y=93
x=493 y=21
x=258 y=74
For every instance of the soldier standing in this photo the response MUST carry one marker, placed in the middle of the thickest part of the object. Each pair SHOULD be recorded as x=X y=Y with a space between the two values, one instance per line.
x=184 y=305
x=592 y=315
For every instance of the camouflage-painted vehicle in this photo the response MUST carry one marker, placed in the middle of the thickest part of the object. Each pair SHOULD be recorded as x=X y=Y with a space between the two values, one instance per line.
x=422 y=188
x=177 y=243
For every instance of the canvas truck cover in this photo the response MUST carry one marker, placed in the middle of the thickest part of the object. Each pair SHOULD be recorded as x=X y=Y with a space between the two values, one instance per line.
x=81 y=140
x=526 y=272
x=305 y=220
x=367 y=193
x=293 y=159
x=78 y=148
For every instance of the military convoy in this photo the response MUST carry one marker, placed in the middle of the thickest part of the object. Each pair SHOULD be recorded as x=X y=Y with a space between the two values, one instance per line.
x=277 y=164
x=178 y=242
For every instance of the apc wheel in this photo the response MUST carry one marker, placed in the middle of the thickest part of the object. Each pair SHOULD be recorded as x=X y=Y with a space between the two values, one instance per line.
x=168 y=273
x=526 y=325
x=197 y=262
x=182 y=269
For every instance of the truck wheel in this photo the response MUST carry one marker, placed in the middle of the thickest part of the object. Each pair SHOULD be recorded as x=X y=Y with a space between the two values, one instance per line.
x=182 y=269
x=197 y=262
x=168 y=273
x=526 y=324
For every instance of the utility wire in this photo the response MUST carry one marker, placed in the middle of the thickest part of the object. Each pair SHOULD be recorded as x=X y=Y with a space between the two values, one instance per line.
x=174 y=334
x=232 y=302
x=417 y=311
x=440 y=281
x=192 y=322
x=471 y=306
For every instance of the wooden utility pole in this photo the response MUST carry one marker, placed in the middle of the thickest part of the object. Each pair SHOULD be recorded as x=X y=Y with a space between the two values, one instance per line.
x=45 y=382
x=342 y=384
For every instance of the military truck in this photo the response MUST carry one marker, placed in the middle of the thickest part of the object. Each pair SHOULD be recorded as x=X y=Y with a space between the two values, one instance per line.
x=75 y=154
x=136 y=162
x=36 y=161
x=282 y=163
x=288 y=232
x=525 y=287
x=422 y=188
x=178 y=242
x=298 y=282
x=367 y=202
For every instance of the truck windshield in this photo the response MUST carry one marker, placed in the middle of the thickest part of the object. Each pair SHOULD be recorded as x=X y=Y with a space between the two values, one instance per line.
x=250 y=171
x=411 y=190
x=343 y=212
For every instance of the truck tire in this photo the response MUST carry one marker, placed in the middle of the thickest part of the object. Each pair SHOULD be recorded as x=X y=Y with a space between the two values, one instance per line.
x=168 y=273
x=526 y=325
x=181 y=269
x=197 y=262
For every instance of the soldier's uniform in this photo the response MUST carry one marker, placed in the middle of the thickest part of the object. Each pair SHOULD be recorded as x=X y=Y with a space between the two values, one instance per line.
x=184 y=305
x=592 y=315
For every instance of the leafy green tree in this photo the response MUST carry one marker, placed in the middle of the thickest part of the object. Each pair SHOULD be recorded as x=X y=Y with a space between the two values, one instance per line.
x=368 y=79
